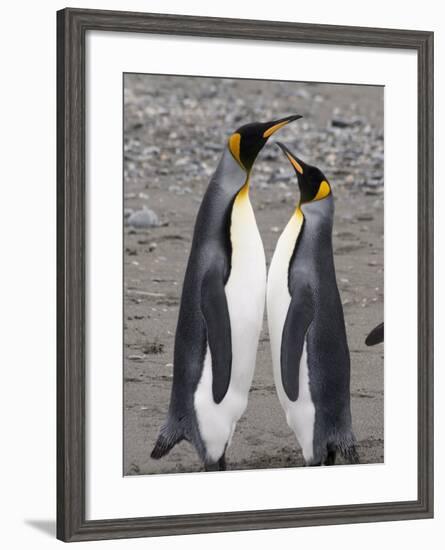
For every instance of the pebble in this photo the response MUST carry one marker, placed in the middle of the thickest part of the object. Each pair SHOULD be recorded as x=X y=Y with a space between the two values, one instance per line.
x=331 y=159
x=365 y=217
x=343 y=123
x=151 y=150
x=179 y=190
x=143 y=218
x=350 y=145
x=270 y=154
x=302 y=93
x=217 y=147
x=373 y=192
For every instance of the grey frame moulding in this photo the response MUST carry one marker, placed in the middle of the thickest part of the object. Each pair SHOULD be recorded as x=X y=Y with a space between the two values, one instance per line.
x=72 y=25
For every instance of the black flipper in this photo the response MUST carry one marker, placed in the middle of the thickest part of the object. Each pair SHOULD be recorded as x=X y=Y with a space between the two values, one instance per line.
x=216 y=315
x=298 y=319
x=375 y=336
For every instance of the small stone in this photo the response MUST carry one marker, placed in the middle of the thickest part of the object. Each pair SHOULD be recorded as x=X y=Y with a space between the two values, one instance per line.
x=365 y=217
x=269 y=154
x=213 y=147
x=143 y=218
x=153 y=348
x=179 y=189
x=374 y=192
x=302 y=93
x=331 y=158
x=134 y=468
x=343 y=123
x=151 y=150
x=136 y=357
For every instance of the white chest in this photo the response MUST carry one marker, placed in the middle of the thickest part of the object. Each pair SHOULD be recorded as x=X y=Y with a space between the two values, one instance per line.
x=300 y=414
x=246 y=286
x=278 y=297
x=245 y=292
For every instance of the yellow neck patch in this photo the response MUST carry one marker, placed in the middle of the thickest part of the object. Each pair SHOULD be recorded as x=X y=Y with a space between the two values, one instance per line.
x=243 y=193
x=299 y=214
x=323 y=191
x=234 y=146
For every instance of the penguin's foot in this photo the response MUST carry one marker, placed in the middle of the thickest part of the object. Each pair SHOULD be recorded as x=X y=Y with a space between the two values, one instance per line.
x=330 y=459
x=222 y=463
x=218 y=466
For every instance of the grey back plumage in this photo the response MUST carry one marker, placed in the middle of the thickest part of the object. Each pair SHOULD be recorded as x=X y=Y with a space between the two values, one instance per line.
x=208 y=268
x=312 y=272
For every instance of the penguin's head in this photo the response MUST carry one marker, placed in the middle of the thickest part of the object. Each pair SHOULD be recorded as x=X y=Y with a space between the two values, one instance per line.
x=248 y=140
x=313 y=184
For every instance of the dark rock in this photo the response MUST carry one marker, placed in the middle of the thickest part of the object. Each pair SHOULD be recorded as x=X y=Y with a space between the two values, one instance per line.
x=344 y=123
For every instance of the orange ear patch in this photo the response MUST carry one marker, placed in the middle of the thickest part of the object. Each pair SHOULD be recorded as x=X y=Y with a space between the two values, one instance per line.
x=323 y=191
x=234 y=146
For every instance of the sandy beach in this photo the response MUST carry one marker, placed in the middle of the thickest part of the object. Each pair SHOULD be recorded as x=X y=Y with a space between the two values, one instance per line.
x=174 y=132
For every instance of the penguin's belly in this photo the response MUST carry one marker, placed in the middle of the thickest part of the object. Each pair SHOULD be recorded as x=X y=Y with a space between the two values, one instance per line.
x=300 y=414
x=245 y=292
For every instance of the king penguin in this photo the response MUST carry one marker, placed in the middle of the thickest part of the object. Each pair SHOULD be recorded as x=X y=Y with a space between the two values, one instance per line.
x=307 y=331
x=222 y=307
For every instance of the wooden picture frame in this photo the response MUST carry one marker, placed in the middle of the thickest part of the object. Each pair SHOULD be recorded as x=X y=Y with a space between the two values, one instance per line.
x=72 y=25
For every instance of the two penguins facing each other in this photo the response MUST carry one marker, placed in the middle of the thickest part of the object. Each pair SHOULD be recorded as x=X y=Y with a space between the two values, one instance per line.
x=221 y=313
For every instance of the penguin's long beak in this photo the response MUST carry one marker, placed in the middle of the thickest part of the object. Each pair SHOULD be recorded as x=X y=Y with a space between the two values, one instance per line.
x=295 y=161
x=275 y=125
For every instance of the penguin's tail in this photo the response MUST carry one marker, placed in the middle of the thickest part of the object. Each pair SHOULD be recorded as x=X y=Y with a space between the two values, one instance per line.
x=168 y=437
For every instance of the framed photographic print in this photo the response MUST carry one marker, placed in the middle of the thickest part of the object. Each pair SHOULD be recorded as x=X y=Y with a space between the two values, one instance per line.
x=245 y=283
